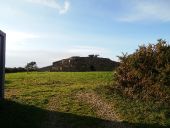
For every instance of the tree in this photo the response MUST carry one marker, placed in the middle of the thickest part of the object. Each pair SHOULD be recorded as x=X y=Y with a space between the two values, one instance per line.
x=32 y=66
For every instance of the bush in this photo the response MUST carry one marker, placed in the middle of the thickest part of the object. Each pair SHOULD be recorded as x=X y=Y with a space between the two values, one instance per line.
x=14 y=70
x=145 y=74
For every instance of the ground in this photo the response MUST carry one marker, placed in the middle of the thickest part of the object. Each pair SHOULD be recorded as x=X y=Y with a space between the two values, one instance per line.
x=73 y=100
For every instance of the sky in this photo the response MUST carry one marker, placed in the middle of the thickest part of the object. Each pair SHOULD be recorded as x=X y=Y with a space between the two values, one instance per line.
x=49 y=30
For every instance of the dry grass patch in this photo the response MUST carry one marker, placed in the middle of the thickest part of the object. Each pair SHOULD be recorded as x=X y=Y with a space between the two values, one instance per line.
x=103 y=109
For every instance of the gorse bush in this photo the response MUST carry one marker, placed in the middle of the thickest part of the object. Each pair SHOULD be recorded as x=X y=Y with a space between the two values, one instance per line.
x=145 y=73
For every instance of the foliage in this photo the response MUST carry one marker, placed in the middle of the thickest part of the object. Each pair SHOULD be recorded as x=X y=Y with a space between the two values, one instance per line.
x=32 y=66
x=140 y=113
x=145 y=73
x=14 y=70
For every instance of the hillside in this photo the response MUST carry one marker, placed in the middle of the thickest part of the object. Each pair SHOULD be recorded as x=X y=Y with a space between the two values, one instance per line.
x=73 y=100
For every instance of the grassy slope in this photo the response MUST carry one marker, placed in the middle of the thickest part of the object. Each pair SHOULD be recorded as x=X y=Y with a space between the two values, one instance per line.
x=56 y=100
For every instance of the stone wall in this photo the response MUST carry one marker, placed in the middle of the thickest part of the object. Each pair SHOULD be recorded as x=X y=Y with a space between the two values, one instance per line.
x=91 y=63
x=45 y=69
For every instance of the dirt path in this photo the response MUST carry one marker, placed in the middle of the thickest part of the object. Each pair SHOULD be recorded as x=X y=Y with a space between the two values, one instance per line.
x=103 y=109
x=51 y=120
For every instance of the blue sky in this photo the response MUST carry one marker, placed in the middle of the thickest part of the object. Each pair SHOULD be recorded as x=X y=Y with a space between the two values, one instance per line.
x=48 y=30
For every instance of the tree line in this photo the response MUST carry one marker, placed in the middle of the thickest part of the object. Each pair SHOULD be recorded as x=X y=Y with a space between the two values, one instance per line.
x=31 y=66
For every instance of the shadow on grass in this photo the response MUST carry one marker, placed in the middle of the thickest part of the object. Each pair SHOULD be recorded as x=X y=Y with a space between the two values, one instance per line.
x=8 y=82
x=15 y=115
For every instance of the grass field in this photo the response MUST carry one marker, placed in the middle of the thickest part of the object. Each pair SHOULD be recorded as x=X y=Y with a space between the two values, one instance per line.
x=74 y=100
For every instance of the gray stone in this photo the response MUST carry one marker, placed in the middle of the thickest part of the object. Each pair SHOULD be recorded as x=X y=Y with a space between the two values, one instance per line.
x=82 y=64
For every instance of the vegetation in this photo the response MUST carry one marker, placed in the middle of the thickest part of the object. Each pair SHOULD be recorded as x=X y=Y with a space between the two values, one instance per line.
x=32 y=66
x=141 y=91
x=139 y=113
x=145 y=74
x=74 y=100
x=14 y=70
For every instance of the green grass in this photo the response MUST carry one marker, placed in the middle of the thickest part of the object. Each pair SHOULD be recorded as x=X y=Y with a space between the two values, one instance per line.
x=36 y=99
x=135 y=111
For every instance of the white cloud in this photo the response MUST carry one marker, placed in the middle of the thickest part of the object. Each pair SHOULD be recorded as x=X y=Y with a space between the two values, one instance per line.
x=15 y=39
x=147 y=10
x=16 y=36
x=62 y=9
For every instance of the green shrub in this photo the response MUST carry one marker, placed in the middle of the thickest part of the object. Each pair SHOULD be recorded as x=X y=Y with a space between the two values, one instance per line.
x=145 y=74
